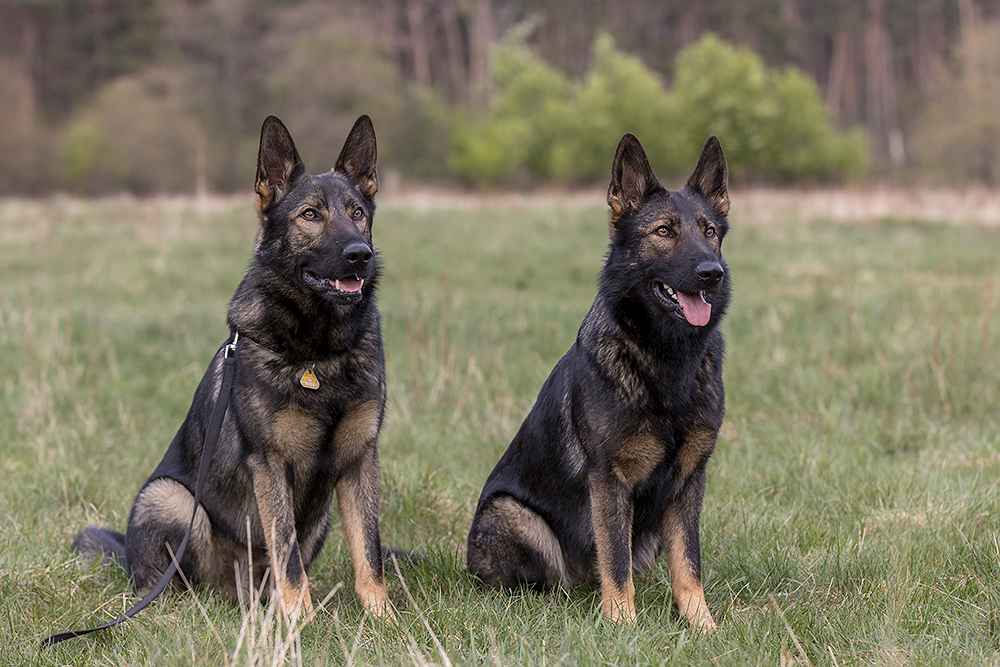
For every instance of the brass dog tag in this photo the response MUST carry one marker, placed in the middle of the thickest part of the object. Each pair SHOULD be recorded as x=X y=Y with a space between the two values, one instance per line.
x=308 y=380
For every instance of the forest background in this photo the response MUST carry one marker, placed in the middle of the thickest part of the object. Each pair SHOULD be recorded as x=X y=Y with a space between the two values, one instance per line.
x=852 y=509
x=104 y=96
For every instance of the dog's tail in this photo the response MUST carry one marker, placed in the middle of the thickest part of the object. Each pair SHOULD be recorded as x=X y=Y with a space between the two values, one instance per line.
x=94 y=543
x=404 y=557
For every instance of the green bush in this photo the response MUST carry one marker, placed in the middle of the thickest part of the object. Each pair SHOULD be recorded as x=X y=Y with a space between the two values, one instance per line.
x=137 y=135
x=620 y=95
x=529 y=114
x=724 y=91
x=489 y=152
x=773 y=124
x=543 y=126
x=802 y=143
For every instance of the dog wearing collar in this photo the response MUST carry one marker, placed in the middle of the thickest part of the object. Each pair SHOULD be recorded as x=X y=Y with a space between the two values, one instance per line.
x=306 y=405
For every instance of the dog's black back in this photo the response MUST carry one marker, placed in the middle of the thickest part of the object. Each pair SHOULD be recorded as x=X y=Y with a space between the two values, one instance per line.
x=610 y=463
x=308 y=397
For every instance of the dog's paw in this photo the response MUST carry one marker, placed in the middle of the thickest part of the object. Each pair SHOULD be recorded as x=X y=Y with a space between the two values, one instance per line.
x=375 y=600
x=295 y=600
x=701 y=623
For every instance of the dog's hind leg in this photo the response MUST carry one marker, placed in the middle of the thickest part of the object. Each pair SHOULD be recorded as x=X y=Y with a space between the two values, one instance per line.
x=160 y=515
x=510 y=546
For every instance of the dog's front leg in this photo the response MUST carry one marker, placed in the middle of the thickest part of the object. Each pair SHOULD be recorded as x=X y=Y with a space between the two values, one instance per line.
x=682 y=545
x=358 y=501
x=611 y=513
x=274 y=505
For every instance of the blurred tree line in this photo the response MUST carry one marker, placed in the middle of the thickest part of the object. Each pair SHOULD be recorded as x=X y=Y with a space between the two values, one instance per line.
x=168 y=95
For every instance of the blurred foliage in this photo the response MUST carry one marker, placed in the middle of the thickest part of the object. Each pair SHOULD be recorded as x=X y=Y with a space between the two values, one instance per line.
x=195 y=120
x=619 y=95
x=771 y=123
x=348 y=73
x=139 y=134
x=545 y=126
x=111 y=95
x=532 y=104
x=957 y=134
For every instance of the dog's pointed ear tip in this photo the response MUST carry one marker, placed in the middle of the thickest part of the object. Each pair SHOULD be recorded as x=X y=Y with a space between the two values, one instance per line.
x=629 y=140
x=364 y=124
x=271 y=121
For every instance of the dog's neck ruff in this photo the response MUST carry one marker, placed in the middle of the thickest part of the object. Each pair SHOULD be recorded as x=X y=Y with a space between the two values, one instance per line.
x=253 y=342
x=307 y=379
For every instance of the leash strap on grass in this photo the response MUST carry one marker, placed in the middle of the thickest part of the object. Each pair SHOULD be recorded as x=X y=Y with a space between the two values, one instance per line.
x=207 y=452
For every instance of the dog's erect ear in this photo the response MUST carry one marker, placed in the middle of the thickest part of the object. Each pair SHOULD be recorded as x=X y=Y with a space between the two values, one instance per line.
x=278 y=163
x=357 y=159
x=632 y=179
x=711 y=176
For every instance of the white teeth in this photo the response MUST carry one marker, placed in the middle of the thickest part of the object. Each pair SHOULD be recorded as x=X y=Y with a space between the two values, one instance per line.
x=336 y=285
x=669 y=290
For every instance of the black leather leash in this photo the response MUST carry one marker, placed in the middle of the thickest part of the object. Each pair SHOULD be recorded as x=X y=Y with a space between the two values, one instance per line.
x=207 y=452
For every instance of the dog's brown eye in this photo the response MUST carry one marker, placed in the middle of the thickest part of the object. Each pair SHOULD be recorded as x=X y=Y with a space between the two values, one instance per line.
x=710 y=232
x=358 y=213
x=663 y=230
x=310 y=214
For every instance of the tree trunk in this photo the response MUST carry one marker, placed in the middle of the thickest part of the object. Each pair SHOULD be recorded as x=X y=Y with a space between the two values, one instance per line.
x=480 y=42
x=455 y=52
x=418 y=42
x=880 y=98
x=687 y=23
x=842 y=86
x=931 y=43
x=26 y=88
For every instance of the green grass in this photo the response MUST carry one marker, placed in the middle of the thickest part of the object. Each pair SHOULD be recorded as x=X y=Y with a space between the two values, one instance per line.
x=853 y=508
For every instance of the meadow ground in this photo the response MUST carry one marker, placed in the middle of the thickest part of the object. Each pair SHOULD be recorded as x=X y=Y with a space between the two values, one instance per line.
x=853 y=507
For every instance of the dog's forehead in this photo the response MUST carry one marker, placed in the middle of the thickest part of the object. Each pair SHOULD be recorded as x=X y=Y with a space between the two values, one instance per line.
x=674 y=206
x=692 y=205
x=685 y=206
x=337 y=185
x=323 y=189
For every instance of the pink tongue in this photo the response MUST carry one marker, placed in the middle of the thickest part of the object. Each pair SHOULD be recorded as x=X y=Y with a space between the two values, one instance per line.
x=349 y=284
x=696 y=309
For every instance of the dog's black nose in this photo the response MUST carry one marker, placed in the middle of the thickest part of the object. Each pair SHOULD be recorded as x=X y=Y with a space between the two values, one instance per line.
x=710 y=272
x=357 y=254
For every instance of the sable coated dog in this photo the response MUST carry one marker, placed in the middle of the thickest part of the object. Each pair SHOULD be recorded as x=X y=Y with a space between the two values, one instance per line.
x=609 y=465
x=307 y=400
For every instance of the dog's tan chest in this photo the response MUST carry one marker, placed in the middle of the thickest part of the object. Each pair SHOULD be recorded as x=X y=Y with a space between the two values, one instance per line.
x=358 y=429
x=637 y=457
x=295 y=433
x=640 y=454
x=695 y=450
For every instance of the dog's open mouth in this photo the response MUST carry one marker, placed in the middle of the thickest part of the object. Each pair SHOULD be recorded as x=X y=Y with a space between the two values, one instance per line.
x=348 y=287
x=696 y=310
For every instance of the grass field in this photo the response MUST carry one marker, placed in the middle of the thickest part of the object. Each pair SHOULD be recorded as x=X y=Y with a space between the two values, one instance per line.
x=853 y=507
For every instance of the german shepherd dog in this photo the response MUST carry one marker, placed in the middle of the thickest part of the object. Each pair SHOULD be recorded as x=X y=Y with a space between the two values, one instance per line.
x=306 y=405
x=609 y=465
